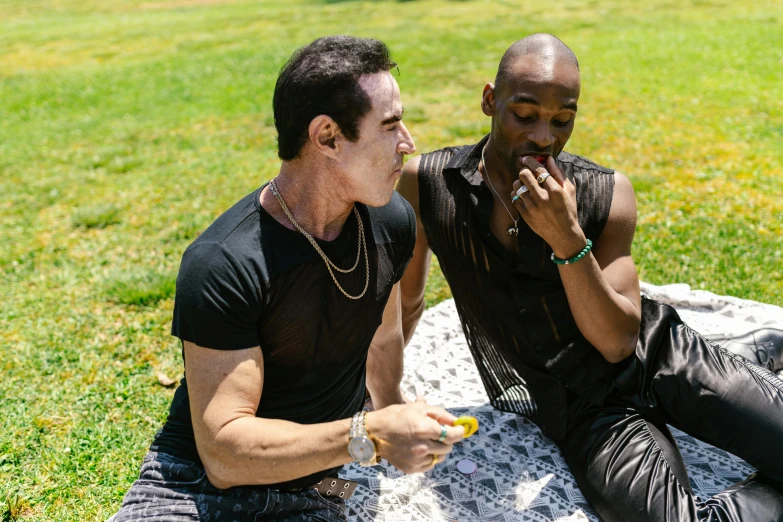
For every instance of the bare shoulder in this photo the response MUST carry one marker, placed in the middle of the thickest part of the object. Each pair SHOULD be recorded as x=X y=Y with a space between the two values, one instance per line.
x=622 y=183
x=411 y=167
x=617 y=236
x=408 y=184
x=623 y=209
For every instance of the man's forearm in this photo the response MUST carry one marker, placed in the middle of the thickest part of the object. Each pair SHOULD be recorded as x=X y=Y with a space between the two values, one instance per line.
x=384 y=371
x=385 y=360
x=255 y=451
x=411 y=314
x=608 y=319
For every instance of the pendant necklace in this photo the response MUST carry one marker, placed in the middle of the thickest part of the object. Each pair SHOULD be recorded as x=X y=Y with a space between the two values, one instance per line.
x=513 y=230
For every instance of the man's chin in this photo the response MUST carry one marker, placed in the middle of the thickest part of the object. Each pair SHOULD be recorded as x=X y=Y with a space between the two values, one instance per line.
x=378 y=200
x=381 y=202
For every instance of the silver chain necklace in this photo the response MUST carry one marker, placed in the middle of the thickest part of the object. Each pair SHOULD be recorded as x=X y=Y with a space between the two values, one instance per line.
x=511 y=230
x=329 y=264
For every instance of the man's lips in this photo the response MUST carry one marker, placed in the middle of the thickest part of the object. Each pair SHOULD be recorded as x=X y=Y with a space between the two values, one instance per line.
x=538 y=157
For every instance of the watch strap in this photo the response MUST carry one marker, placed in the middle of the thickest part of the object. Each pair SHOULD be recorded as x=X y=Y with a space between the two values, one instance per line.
x=359 y=429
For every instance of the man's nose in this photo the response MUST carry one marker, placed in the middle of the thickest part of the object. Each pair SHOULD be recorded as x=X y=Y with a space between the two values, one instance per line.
x=541 y=135
x=406 y=145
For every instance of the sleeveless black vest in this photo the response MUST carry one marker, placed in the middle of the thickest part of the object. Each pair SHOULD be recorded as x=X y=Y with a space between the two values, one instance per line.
x=519 y=327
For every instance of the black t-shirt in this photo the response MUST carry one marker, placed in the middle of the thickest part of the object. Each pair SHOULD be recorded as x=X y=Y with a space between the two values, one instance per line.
x=249 y=281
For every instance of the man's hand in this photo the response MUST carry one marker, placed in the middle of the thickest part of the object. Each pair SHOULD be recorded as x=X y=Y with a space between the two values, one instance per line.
x=549 y=208
x=407 y=435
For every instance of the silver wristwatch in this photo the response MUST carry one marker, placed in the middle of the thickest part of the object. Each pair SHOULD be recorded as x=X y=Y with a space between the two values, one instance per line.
x=360 y=445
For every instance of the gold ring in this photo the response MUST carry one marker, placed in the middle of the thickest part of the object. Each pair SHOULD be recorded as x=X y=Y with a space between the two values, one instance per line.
x=542 y=178
x=434 y=460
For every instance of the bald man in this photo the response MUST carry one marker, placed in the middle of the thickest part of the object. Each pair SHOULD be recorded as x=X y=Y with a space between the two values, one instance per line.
x=536 y=246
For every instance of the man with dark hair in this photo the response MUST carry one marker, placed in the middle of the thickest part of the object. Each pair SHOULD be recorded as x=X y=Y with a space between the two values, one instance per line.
x=536 y=246
x=286 y=303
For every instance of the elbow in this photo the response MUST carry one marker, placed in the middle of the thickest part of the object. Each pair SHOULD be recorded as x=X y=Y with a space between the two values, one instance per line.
x=216 y=479
x=621 y=349
x=223 y=474
x=216 y=472
x=216 y=454
x=228 y=462
x=617 y=356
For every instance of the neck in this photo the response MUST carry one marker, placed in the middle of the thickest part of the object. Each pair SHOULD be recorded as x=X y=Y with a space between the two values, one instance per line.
x=313 y=196
x=495 y=168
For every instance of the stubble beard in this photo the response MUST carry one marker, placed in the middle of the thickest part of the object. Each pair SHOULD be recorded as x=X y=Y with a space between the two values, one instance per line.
x=502 y=151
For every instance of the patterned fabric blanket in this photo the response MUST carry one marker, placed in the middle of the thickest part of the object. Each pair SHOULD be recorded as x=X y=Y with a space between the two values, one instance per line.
x=521 y=475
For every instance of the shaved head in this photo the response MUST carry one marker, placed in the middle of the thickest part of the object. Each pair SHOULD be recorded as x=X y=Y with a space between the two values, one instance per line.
x=544 y=48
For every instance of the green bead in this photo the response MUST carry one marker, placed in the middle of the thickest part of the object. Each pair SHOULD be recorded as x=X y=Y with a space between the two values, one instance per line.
x=574 y=259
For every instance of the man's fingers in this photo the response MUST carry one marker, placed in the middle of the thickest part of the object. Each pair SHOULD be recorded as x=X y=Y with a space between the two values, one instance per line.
x=551 y=183
x=519 y=200
x=439 y=449
x=531 y=163
x=554 y=170
x=527 y=178
x=453 y=433
x=441 y=416
x=440 y=458
x=431 y=462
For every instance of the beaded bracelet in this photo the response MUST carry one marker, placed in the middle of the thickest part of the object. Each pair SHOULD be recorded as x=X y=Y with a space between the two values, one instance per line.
x=574 y=259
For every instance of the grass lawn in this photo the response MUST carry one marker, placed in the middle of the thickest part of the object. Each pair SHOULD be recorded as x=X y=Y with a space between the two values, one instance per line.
x=127 y=126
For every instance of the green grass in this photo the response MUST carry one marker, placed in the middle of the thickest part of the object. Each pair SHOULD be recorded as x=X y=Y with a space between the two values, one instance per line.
x=128 y=126
x=101 y=216
x=140 y=288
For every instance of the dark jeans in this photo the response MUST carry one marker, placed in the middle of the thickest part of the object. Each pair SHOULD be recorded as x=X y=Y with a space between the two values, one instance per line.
x=174 y=490
x=624 y=457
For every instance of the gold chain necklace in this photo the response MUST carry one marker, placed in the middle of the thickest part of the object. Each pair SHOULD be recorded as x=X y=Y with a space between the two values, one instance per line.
x=329 y=264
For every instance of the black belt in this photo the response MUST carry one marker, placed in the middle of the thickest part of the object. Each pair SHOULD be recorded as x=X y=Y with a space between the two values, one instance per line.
x=330 y=487
x=335 y=487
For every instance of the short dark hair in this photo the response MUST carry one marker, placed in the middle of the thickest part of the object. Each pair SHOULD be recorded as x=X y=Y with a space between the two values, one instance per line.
x=323 y=78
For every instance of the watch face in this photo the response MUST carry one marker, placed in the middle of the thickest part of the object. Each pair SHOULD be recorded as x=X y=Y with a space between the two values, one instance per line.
x=361 y=449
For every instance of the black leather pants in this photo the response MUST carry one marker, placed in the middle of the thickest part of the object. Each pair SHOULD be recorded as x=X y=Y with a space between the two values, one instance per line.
x=624 y=458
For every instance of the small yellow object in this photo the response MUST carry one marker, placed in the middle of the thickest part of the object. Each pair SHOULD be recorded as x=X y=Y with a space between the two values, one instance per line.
x=470 y=424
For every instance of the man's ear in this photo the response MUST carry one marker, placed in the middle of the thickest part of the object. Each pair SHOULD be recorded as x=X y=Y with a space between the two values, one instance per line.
x=324 y=134
x=488 y=100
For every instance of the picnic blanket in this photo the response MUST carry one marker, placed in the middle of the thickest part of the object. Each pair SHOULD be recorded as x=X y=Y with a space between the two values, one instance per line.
x=521 y=475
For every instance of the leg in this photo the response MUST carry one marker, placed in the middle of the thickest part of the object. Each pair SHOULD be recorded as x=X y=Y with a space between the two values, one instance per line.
x=713 y=395
x=162 y=492
x=307 y=505
x=763 y=347
x=623 y=468
x=174 y=490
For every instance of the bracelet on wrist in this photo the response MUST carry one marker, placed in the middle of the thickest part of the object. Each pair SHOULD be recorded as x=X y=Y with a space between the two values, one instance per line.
x=574 y=259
